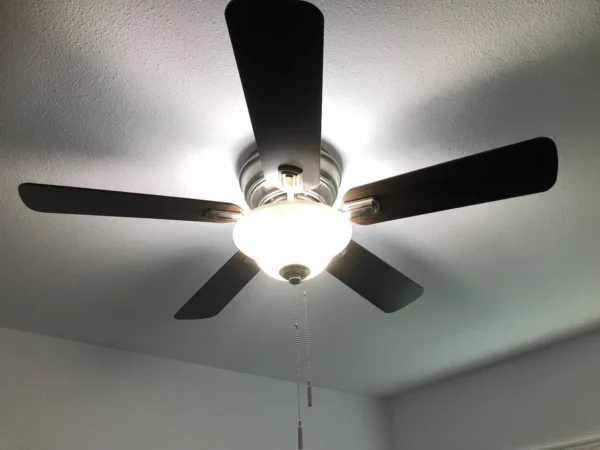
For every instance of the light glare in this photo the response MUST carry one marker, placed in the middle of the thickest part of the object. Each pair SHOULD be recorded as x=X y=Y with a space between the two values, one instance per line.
x=292 y=232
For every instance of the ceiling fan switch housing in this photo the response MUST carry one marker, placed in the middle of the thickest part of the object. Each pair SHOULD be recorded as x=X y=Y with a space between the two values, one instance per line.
x=294 y=273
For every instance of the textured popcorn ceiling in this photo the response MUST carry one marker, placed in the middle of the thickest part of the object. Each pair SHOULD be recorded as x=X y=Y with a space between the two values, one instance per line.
x=144 y=96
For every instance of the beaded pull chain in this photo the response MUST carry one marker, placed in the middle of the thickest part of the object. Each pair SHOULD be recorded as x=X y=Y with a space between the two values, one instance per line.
x=297 y=367
x=308 y=385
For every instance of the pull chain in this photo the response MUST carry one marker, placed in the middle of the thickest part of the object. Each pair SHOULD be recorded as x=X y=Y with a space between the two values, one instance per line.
x=297 y=366
x=308 y=385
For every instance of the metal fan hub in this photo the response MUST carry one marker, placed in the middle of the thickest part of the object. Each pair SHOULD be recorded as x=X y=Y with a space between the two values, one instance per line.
x=259 y=192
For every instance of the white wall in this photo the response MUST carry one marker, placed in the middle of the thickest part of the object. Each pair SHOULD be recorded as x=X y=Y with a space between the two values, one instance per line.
x=63 y=395
x=544 y=398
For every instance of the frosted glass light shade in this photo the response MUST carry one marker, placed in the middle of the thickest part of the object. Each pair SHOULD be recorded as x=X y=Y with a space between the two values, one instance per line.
x=292 y=232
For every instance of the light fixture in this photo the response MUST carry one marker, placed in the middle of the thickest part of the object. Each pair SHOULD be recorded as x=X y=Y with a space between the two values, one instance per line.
x=293 y=234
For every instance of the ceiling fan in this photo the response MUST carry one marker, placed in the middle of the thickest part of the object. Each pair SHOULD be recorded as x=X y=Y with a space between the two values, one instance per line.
x=292 y=231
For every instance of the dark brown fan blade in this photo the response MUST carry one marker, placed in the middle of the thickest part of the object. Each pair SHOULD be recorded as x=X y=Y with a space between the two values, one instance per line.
x=374 y=279
x=515 y=170
x=220 y=289
x=92 y=202
x=278 y=47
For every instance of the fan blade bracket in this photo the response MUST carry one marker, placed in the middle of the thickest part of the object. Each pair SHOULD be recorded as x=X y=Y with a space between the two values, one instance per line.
x=223 y=216
x=340 y=255
x=363 y=207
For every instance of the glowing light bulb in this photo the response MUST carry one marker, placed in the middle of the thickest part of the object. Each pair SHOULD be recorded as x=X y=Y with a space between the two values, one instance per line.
x=292 y=232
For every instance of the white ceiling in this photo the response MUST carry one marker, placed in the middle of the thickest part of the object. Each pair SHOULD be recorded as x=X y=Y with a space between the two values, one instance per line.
x=144 y=96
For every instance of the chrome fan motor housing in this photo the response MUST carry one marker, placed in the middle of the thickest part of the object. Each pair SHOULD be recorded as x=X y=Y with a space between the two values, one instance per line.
x=258 y=192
